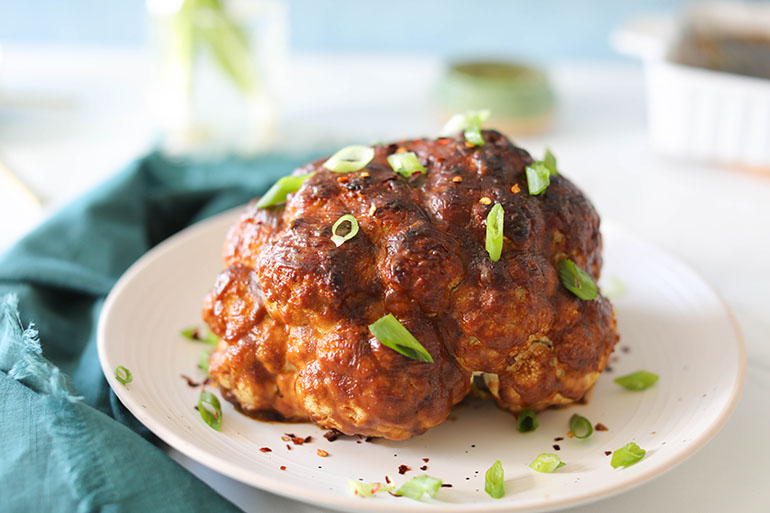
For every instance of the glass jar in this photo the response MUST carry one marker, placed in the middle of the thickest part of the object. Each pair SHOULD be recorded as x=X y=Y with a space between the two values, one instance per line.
x=217 y=68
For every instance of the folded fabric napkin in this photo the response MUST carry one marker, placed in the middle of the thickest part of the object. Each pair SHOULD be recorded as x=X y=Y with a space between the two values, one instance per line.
x=67 y=443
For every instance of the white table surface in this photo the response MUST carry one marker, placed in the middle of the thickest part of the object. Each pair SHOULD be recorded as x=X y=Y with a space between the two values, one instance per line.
x=69 y=117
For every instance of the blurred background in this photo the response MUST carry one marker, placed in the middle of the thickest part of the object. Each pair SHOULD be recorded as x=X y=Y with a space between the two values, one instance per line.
x=550 y=29
x=658 y=109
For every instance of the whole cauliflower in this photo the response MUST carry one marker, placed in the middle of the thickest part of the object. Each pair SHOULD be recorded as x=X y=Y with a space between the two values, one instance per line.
x=293 y=309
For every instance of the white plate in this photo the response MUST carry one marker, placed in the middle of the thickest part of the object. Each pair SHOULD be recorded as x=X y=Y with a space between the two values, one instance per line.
x=671 y=322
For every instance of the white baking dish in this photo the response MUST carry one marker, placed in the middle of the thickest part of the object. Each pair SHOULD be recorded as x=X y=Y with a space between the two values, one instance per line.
x=695 y=112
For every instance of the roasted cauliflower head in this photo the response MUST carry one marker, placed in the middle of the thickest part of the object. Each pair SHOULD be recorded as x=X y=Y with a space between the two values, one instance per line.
x=293 y=309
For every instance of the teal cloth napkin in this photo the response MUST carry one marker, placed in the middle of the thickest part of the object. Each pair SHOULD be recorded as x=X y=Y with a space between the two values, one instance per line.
x=66 y=442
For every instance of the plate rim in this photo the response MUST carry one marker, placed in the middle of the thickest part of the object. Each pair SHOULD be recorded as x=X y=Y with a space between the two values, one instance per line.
x=287 y=488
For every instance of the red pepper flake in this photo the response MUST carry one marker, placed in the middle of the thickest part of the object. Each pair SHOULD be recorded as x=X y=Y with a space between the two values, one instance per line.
x=190 y=382
x=387 y=479
x=358 y=441
x=607 y=453
x=556 y=447
x=343 y=179
x=288 y=447
x=601 y=427
x=558 y=439
x=424 y=468
x=283 y=467
x=296 y=440
x=265 y=449
x=308 y=439
x=516 y=189
x=285 y=438
x=332 y=434
x=207 y=381
x=569 y=434
x=426 y=460
x=322 y=453
x=403 y=469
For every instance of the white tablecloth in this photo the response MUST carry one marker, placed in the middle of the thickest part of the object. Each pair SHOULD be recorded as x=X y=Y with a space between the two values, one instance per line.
x=69 y=117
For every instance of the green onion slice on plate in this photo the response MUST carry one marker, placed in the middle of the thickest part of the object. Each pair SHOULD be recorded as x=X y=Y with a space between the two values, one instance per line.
x=281 y=189
x=494 y=482
x=349 y=159
x=546 y=463
x=638 y=380
x=337 y=239
x=203 y=360
x=576 y=280
x=417 y=486
x=123 y=375
x=580 y=427
x=538 y=178
x=365 y=490
x=627 y=455
x=392 y=334
x=200 y=335
x=494 y=242
x=406 y=163
x=210 y=410
x=526 y=421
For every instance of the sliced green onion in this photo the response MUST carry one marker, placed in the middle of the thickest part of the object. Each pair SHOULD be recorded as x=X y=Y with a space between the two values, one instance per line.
x=638 y=380
x=494 y=242
x=406 y=163
x=392 y=334
x=473 y=135
x=477 y=117
x=546 y=463
x=203 y=360
x=538 y=178
x=417 y=486
x=210 y=410
x=281 y=189
x=494 y=482
x=200 y=335
x=576 y=280
x=470 y=123
x=580 y=427
x=369 y=489
x=123 y=375
x=338 y=240
x=526 y=421
x=349 y=159
x=550 y=162
x=627 y=455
